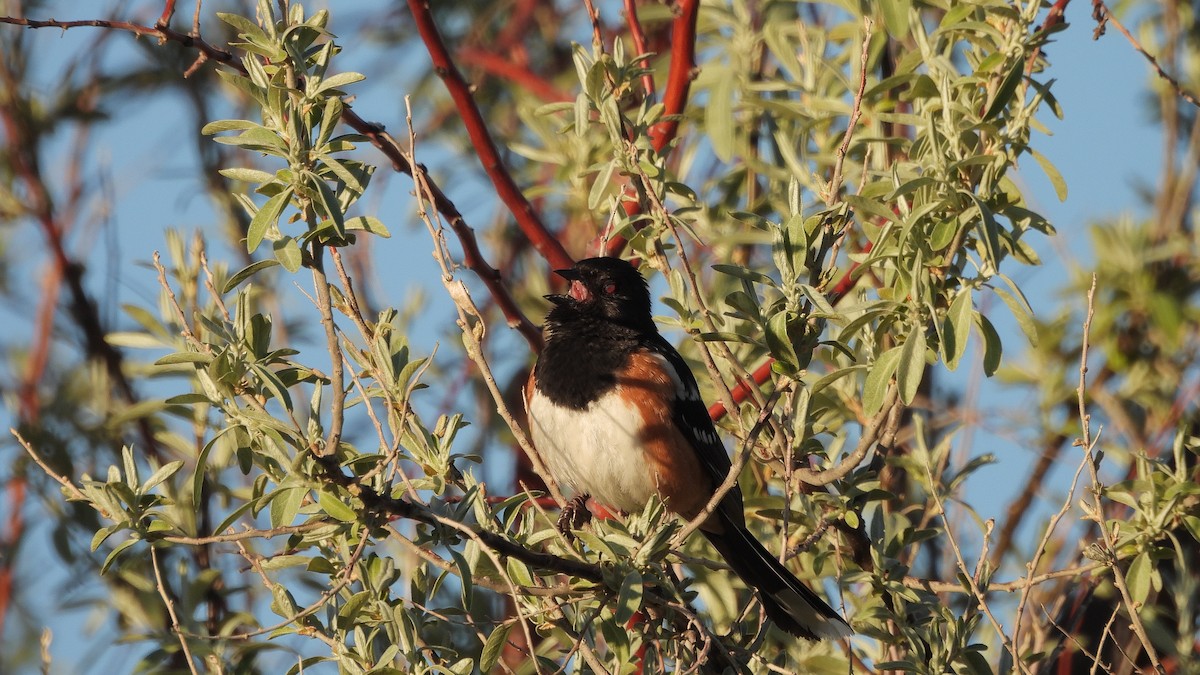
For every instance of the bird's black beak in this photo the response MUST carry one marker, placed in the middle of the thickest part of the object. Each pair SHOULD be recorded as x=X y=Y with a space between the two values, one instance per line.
x=576 y=292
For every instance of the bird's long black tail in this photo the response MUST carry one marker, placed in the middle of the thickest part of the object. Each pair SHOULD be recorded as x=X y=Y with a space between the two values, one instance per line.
x=787 y=601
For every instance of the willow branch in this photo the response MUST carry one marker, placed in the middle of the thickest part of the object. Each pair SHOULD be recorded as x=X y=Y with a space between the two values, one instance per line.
x=1104 y=15
x=489 y=156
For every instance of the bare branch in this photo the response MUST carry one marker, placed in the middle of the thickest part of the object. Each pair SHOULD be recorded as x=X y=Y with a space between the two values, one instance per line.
x=1104 y=15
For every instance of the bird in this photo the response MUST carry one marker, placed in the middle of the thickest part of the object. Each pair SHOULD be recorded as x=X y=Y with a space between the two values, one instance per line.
x=615 y=414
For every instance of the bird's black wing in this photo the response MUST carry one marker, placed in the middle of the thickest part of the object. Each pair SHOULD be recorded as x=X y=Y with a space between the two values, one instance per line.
x=691 y=417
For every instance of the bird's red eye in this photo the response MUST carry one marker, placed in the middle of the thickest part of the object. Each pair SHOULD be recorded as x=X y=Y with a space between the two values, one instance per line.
x=610 y=288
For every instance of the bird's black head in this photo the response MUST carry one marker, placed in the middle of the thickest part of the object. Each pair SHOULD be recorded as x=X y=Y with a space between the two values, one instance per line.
x=607 y=288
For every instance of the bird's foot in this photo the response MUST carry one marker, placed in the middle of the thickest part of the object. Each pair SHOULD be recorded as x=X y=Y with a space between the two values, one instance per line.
x=574 y=516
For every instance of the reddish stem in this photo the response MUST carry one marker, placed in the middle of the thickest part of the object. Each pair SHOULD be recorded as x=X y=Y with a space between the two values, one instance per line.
x=167 y=13
x=639 y=42
x=1053 y=18
x=638 y=618
x=760 y=375
x=679 y=83
x=517 y=25
x=680 y=75
x=527 y=218
x=16 y=525
x=498 y=65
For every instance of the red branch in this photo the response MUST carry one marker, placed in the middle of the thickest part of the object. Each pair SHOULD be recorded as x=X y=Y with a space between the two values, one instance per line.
x=680 y=75
x=527 y=218
x=639 y=42
x=760 y=375
x=497 y=64
x=167 y=13
x=517 y=24
x=16 y=525
x=1053 y=18
x=679 y=83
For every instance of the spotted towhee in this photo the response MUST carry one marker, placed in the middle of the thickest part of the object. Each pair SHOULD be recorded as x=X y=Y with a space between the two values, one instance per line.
x=615 y=414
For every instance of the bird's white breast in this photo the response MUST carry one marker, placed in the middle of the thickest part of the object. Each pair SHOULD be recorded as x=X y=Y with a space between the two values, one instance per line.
x=595 y=450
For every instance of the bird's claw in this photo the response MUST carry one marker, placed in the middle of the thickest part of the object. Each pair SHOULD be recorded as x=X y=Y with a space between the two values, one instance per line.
x=574 y=516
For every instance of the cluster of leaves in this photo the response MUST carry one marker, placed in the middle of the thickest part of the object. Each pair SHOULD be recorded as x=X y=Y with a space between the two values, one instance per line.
x=286 y=76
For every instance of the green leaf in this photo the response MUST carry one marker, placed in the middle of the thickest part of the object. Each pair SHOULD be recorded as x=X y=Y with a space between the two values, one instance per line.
x=895 y=17
x=1056 y=178
x=336 y=508
x=602 y=185
x=718 y=116
x=106 y=532
x=494 y=647
x=368 y=224
x=333 y=209
x=133 y=340
x=1004 y=93
x=201 y=465
x=745 y=274
x=287 y=252
x=246 y=28
x=780 y=343
x=163 y=473
x=1019 y=306
x=247 y=272
x=912 y=365
x=131 y=470
x=959 y=330
x=247 y=175
x=285 y=505
x=184 y=357
x=260 y=139
x=343 y=173
x=992 y=348
x=629 y=598
x=1138 y=577
x=267 y=216
x=112 y=556
x=878 y=377
x=227 y=125
x=339 y=80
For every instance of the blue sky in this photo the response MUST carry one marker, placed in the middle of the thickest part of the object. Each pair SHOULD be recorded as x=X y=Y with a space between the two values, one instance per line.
x=1106 y=142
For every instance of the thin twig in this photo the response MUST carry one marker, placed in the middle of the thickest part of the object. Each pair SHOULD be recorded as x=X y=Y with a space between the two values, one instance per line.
x=337 y=378
x=1007 y=586
x=1109 y=17
x=731 y=478
x=1073 y=638
x=166 y=598
x=872 y=432
x=1042 y=546
x=241 y=535
x=1097 y=508
x=73 y=492
x=979 y=595
x=835 y=182
x=472 y=325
